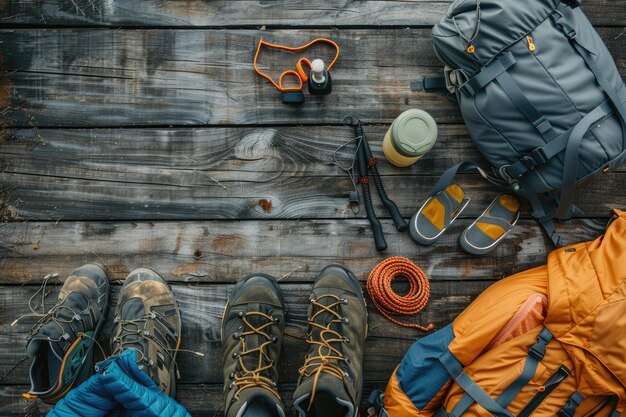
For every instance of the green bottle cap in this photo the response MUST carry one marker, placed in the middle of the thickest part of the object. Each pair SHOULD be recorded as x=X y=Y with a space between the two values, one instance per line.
x=413 y=133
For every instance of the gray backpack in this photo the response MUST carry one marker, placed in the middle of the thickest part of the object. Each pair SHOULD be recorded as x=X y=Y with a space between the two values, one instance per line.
x=540 y=94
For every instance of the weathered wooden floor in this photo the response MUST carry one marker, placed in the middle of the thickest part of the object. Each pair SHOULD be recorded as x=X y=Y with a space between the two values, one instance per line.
x=137 y=134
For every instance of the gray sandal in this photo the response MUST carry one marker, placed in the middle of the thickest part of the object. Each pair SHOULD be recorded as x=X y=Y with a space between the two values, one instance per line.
x=484 y=234
x=437 y=214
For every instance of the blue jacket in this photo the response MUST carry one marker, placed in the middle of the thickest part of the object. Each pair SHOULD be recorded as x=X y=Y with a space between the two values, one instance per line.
x=118 y=389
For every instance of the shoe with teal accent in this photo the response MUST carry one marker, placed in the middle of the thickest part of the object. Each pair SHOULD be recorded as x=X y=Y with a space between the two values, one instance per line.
x=61 y=343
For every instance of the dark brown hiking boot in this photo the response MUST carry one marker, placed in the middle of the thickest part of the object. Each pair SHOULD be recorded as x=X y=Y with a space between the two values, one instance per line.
x=252 y=336
x=147 y=320
x=61 y=343
x=331 y=382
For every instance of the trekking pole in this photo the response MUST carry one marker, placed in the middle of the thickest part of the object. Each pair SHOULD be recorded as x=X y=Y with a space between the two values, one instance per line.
x=377 y=229
x=392 y=208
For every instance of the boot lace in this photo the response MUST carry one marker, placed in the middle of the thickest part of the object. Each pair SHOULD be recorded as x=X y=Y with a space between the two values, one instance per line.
x=51 y=315
x=328 y=356
x=133 y=333
x=248 y=378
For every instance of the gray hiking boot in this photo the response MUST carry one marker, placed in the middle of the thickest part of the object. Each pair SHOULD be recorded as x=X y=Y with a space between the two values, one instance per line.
x=252 y=336
x=61 y=343
x=331 y=382
x=147 y=320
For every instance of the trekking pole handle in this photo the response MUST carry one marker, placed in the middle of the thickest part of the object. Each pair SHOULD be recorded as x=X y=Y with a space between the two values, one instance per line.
x=377 y=228
x=392 y=208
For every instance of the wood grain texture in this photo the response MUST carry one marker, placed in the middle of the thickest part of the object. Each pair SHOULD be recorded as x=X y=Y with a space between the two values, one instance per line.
x=293 y=251
x=225 y=13
x=201 y=311
x=195 y=196
x=189 y=77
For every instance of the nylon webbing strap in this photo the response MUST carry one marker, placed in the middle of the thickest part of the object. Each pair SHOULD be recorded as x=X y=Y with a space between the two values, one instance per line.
x=570 y=165
x=488 y=74
x=462 y=406
x=517 y=96
x=448 y=177
x=571 y=161
x=542 y=155
x=535 y=355
x=430 y=84
x=569 y=409
x=454 y=368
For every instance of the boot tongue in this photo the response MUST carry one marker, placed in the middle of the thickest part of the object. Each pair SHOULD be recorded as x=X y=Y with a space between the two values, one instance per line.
x=253 y=341
x=328 y=387
x=258 y=402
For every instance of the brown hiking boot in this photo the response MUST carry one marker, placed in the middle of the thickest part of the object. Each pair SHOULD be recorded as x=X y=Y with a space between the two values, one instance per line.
x=61 y=344
x=252 y=336
x=331 y=382
x=147 y=320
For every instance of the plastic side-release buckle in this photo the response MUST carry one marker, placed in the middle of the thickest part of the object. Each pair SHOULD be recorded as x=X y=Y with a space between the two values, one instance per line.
x=535 y=158
x=376 y=398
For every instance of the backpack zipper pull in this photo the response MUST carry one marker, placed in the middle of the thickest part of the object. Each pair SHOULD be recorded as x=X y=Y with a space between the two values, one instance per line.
x=531 y=45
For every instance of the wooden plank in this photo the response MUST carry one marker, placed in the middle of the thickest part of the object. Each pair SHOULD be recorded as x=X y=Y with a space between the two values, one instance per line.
x=224 y=13
x=293 y=251
x=201 y=310
x=190 y=77
x=229 y=154
x=193 y=195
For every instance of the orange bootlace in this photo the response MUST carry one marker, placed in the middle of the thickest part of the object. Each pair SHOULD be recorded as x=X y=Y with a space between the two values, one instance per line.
x=326 y=352
x=249 y=378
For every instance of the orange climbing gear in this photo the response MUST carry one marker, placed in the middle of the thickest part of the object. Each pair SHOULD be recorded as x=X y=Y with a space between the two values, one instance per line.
x=300 y=74
x=387 y=301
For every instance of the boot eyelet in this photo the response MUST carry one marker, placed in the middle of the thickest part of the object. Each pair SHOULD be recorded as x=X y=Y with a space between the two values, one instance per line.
x=346 y=359
x=276 y=320
x=235 y=355
x=232 y=385
x=241 y=314
x=345 y=320
x=232 y=375
x=274 y=339
x=274 y=384
x=345 y=301
x=346 y=340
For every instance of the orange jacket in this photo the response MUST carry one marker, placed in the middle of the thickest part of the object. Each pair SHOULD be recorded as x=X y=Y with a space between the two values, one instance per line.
x=548 y=341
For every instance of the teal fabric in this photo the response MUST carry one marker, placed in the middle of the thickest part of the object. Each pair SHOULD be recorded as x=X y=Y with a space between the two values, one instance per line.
x=420 y=374
x=118 y=389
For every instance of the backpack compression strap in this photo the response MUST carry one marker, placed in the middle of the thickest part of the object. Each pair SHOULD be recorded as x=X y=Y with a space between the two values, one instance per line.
x=473 y=393
x=573 y=147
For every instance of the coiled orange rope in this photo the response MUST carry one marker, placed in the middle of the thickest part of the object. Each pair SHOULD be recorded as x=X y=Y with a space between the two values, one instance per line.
x=389 y=302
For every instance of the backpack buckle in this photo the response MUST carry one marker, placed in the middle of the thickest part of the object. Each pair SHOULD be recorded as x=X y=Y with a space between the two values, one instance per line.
x=535 y=158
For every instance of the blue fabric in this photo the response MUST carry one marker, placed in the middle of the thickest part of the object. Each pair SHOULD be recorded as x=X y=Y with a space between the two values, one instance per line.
x=119 y=389
x=420 y=374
